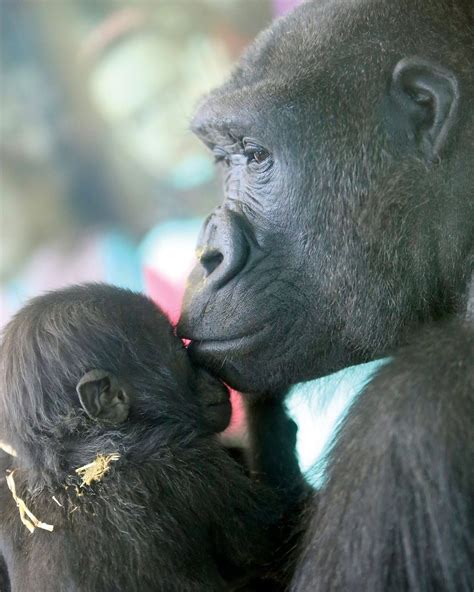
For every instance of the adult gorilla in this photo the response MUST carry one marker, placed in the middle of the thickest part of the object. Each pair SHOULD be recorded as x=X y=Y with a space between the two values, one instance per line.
x=346 y=137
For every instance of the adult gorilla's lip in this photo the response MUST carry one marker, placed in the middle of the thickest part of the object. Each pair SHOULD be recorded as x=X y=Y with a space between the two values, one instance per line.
x=216 y=347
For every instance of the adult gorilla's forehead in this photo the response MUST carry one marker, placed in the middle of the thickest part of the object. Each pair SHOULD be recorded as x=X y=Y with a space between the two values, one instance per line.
x=355 y=37
x=300 y=57
x=267 y=79
x=310 y=38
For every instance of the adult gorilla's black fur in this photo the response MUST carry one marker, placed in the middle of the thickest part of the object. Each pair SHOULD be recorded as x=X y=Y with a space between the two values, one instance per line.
x=346 y=139
x=174 y=508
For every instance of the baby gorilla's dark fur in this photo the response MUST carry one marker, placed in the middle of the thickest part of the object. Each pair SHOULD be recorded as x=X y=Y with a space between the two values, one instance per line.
x=95 y=370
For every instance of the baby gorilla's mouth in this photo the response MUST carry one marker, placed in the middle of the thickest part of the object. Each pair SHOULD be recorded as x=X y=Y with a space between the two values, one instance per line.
x=223 y=398
x=215 y=400
x=218 y=414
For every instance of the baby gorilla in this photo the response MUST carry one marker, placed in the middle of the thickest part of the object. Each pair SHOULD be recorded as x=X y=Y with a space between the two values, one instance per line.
x=93 y=377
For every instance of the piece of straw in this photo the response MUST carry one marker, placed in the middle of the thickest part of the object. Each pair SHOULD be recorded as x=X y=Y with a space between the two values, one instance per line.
x=7 y=448
x=55 y=499
x=26 y=516
x=96 y=470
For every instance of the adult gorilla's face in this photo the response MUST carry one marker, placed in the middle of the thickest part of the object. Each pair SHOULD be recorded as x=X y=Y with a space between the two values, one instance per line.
x=330 y=242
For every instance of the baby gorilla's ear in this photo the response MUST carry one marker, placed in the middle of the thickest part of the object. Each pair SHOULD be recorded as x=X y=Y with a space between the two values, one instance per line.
x=103 y=397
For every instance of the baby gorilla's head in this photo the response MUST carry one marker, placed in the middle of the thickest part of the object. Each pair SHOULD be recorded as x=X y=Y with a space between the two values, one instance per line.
x=96 y=362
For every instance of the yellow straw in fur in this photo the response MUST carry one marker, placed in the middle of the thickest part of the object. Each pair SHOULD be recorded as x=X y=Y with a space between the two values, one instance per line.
x=26 y=516
x=7 y=448
x=95 y=470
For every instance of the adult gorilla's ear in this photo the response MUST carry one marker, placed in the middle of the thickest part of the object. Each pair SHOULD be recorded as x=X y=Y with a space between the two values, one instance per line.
x=103 y=397
x=424 y=100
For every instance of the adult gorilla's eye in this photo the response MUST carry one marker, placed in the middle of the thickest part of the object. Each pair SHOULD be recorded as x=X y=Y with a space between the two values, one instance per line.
x=255 y=153
x=260 y=155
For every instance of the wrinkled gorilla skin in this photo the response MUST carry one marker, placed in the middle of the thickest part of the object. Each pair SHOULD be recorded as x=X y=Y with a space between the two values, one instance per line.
x=345 y=138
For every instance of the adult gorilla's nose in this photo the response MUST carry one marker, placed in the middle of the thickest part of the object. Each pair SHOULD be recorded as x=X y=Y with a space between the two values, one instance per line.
x=223 y=248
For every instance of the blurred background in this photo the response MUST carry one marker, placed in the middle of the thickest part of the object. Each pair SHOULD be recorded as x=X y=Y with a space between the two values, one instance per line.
x=101 y=179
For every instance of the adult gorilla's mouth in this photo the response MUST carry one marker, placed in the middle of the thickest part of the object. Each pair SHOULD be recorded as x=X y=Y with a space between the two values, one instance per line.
x=218 y=346
x=224 y=357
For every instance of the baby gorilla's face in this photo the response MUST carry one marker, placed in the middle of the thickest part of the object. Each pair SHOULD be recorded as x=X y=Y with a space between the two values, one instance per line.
x=119 y=353
x=174 y=386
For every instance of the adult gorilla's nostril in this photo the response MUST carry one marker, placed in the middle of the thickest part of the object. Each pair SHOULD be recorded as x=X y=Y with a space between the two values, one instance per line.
x=210 y=260
x=223 y=248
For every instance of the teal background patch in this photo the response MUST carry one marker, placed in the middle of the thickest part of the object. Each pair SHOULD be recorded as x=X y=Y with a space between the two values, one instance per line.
x=318 y=406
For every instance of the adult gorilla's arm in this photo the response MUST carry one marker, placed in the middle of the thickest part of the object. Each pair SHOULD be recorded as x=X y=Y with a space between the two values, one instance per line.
x=273 y=460
x=397 y=510
x=262 y=513
x=272 y=453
